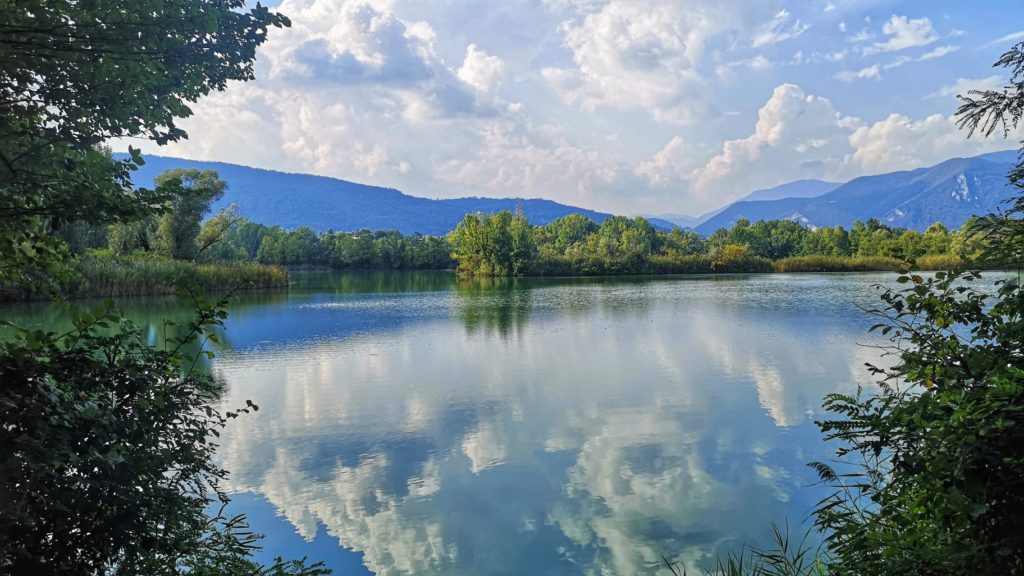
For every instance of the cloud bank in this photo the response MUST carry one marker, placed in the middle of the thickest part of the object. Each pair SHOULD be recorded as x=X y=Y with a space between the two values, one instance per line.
x=626 y=106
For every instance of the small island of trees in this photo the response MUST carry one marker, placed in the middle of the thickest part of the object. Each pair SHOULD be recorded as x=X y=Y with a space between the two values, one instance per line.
x=505 y=244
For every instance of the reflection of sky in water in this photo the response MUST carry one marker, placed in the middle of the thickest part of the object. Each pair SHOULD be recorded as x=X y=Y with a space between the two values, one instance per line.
x=537 y=426
x=417 y=423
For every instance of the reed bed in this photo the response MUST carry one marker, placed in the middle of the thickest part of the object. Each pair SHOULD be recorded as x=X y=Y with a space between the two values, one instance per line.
x=940 y=262
x=102 y=277
x=839 y=264
x=558 y=265
x=707 y=264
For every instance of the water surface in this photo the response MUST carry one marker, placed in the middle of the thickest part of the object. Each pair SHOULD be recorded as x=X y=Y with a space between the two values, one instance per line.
x=421 y=424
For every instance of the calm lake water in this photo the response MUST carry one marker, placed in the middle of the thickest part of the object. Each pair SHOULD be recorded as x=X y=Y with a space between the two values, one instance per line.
x=415 y=423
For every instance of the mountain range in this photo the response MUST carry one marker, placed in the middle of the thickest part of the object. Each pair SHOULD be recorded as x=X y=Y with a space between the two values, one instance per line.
x=949 y=192
x=796 y=189
x=293 y=200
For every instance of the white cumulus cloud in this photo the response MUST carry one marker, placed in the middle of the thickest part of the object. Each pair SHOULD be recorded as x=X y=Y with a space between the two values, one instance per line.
x=899 y=142
x=481 y=70
x=633 y=54
x=667 y=165
x=902 y=33
x=799 y=135
x=791 y=119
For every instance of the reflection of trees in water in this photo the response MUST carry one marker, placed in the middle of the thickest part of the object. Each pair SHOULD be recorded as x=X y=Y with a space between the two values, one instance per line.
x=160 y=318
x=371 y=282
x=492 y=305
x=503 y=305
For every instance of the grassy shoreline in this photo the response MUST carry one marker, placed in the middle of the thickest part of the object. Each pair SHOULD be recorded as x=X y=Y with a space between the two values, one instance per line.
x=864 y=264
x=129 y=277
x=707 y=264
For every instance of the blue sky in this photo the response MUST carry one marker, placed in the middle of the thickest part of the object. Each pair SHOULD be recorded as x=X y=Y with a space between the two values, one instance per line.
x=630 y=106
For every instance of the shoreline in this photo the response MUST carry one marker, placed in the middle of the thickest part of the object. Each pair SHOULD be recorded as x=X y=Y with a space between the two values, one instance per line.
x=278 y=283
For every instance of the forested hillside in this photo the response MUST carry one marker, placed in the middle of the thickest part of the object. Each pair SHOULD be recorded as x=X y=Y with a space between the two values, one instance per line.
x=321 y=203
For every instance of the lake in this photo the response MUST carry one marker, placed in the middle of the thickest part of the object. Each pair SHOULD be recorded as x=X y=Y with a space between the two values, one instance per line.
x=416 y=423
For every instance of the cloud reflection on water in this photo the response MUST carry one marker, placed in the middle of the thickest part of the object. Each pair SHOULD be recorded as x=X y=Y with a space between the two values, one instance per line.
x=545 y=428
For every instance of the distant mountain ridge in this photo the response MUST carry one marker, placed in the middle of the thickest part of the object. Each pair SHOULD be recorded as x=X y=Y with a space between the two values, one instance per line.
x=949 y=192
x=293 y=200
x=808 y=188
x=797 y=189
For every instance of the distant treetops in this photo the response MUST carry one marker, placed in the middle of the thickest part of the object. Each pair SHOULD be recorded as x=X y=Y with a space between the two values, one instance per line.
x=506 y=244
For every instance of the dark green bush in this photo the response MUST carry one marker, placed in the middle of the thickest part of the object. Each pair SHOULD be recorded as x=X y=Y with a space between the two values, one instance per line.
x=106 y=455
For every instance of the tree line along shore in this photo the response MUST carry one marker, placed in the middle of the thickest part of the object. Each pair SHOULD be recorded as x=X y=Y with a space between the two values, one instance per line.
x=227 y=251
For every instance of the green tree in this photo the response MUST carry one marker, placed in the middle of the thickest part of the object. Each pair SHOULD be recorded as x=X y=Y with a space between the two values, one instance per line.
x=909 y=245
x=192 y=191
x=729 y=258
x=936 y=240
x=522 y=249
x=499 y=244
x=825 y=242
x=968 y=242
x=214 y=232
x=271 y=250
x=392 y=251
x=469 y=244
x=570 y=230
x=684 y=242
x=355 y=250
x=431 y=252
x=128 y=237
x=248 y=236
x=81 y=236
x=76 y=74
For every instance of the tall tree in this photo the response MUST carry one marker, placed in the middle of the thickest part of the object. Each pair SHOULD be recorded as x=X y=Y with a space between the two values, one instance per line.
x=191 y=192
x=76 y=74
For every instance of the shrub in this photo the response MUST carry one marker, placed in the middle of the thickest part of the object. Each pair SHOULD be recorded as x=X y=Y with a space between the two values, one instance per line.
x=932 y=474
x=107 y=449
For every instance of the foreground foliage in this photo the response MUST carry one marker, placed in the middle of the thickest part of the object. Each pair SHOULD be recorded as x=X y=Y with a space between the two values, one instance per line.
x=106 y=443
x=930 y=471
x=76 y=74
x=785 y=557
x=107 y=451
